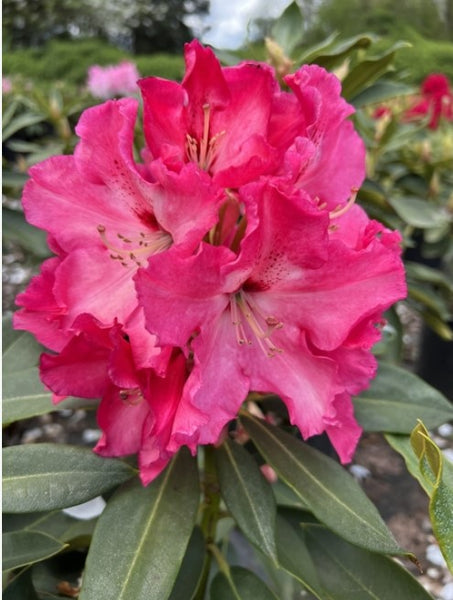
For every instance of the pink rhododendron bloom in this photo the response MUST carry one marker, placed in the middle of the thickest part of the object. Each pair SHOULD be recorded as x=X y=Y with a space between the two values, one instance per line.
x=436 y=101
x=113 y=80
x=230 y=260
x=7 y=85
x=237 y=124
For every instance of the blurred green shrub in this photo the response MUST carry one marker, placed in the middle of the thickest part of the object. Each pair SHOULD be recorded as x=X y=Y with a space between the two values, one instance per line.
x=425 y=56
x=69 y=61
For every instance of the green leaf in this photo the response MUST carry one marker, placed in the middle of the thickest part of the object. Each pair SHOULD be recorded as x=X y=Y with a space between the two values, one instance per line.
x=367 y=71
x=327 y=489
x=20 y=588
x=396 y=399
x=337 y=52
x=191 y=570
x=24 y=395
x=57 y=524
x=426 y=296
x=22 y=548
x=294 y=557
x=437 y=473
x=17 y=230
x=20 y=349
x=344 y=571
x=239 y=584
x=144 y=532
x=380 y=91
x=311 y=54
x=427 y=274
x=46 y=476
x=288 y=30
x=417 y=212
x=20 y=122
x=247 y=495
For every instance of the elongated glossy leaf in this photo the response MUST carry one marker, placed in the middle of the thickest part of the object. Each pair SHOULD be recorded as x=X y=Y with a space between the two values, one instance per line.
x=241 y=584
x=294 y=557
x=26 y=547
x=380 y=91
x=24 y=396
x=141 y=537
x=47 y=476
x=20 y=122
x=20 y=349
x=395 y=400
x=20 y=588
x=402 y=444
x=16 y=229
x=437 y=473
x=367 y=71
x=344 y=571
x=189 y=575
x=327 y=489
x=421 y=272
x=247 y=495
x=417 y=212
x=338 y=52
x=288 y=30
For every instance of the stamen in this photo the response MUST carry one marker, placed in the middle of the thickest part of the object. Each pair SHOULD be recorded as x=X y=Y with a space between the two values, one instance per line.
x=242 y=305
x=341 y=210
x=144 y=245
x=203 y=152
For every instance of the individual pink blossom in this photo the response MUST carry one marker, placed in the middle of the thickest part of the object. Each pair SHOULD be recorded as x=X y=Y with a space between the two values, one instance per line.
x=237 y=124
x=293 y=311
x=229 y=260
x=436 y=101
x=113 y=80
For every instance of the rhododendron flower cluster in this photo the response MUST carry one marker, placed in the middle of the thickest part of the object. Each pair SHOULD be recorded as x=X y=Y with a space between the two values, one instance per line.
x=230 y=259
x=113 y=80
x=436 y=101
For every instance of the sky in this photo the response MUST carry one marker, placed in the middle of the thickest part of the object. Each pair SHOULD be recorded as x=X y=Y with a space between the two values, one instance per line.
x=228 y=20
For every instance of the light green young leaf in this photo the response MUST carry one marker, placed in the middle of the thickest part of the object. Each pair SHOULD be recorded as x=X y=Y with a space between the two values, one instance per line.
x=247 y=495
x=39 y=477
x=20 y=548
x=141 y=537
x=437 y=473
x=327 y=489
x=395 y=400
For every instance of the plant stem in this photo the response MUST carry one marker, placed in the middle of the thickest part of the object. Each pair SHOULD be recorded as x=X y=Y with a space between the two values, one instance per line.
x=210 y=514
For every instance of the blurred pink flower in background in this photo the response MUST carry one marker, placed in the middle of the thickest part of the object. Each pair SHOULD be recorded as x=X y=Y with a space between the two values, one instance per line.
x=113 y=80
x=436 y=100
x=7 y=85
